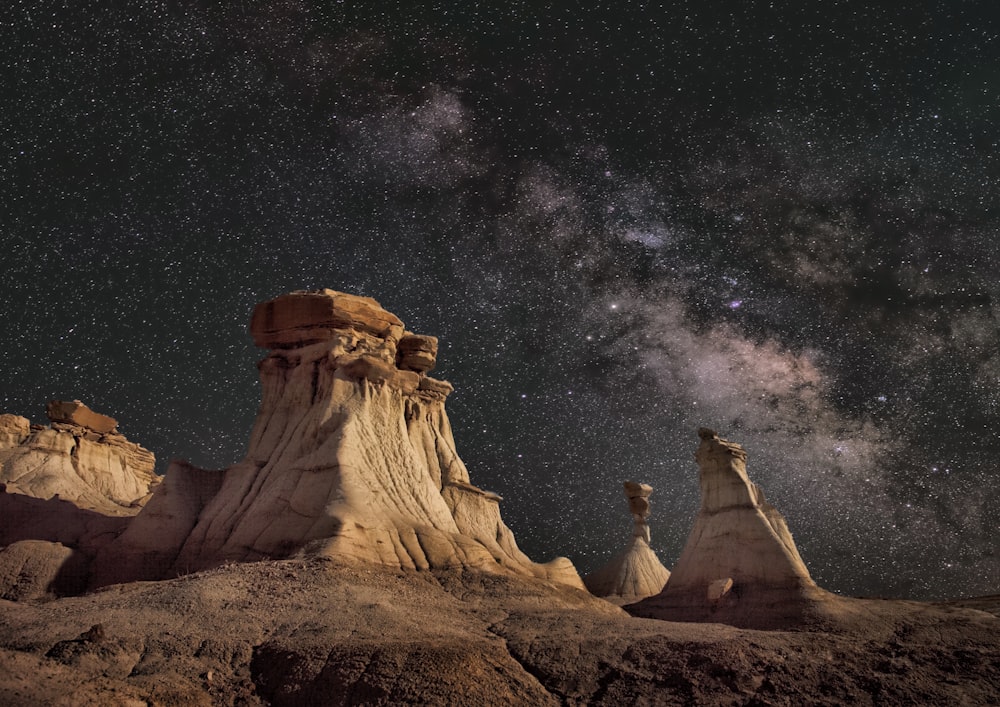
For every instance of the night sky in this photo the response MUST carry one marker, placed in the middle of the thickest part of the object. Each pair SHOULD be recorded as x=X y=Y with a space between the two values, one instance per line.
x=622 y=220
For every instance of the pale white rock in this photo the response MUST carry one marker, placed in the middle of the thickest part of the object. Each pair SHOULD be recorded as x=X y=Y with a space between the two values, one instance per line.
x=14 y=429
x=351 y=456
x=740 y=564
x=636 y=572
x=100 y=471
x=718 y=589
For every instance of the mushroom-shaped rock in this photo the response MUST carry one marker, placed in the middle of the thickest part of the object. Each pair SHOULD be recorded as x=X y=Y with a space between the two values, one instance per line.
x=351 y=456
x=637 y=572
x=740 y=565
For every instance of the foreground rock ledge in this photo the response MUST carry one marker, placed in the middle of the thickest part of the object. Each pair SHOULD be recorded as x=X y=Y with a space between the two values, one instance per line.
x=740 y=565
x=351 y=457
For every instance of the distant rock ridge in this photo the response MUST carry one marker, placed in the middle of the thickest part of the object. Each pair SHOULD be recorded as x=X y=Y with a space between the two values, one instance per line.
x=637 y=572
x=740 y=565
x=66 y=490
x=351 y=456
x=80 y=458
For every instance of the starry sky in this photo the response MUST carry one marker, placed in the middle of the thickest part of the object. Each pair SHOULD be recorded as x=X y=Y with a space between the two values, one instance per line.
x=622 y=220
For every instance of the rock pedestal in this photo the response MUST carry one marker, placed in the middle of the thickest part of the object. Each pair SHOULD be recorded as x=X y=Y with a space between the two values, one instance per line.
x=351 y=456
x=636 y=573
x=740 y=565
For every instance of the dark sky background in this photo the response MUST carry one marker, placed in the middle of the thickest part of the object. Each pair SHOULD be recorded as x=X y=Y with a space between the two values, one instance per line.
x=623 y=221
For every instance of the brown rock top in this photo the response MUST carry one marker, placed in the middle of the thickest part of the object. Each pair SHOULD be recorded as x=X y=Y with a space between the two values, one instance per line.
x=74 y=412
x=306 y=317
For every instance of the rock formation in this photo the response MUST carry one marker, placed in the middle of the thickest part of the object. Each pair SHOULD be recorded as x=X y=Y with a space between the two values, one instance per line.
x=351 y=456
x=66 y=490
x=636 y=573
x=80 y=457
x=740 y=565
x=76 y=413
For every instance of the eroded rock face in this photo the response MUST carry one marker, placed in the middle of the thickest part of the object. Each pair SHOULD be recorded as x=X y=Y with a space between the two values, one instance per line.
x=351 y=456
x=78 y=458
x=740 y=564
x=637 y=572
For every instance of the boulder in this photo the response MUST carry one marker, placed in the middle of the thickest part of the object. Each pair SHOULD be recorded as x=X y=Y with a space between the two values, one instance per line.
x=417 y=353
x=76 y=413
x=636 y=572
x=36 y=569
x=14 y=429
x=740 y=565
x=351 y=457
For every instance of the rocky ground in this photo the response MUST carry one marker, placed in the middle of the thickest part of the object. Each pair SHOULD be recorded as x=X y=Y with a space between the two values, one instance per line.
x=317 y=632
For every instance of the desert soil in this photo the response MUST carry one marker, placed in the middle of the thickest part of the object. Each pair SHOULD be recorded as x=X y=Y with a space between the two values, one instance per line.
x=314 y=632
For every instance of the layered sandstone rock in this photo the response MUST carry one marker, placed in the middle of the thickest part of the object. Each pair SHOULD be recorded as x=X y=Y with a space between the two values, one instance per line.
x=637 y=572
x=740 y=564
x=351 y=456
x=78 y=458
x=76 y=413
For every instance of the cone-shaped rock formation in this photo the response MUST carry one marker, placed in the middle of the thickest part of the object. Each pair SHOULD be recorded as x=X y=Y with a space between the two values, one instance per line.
x=740 y=565
x=351 y=456
x=637 y=572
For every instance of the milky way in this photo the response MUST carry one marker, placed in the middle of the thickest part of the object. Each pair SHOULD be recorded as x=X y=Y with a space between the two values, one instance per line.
x=622 y=224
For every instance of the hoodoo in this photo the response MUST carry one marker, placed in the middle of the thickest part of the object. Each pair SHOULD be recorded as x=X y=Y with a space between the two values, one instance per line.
x=66 y=489
x=80 y=457
x=637 y=572
x=740 y=564
x=351 y=456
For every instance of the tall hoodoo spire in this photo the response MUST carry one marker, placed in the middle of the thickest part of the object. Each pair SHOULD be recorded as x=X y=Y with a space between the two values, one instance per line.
x=740 y=564
x=636 y=572
x=351 y=456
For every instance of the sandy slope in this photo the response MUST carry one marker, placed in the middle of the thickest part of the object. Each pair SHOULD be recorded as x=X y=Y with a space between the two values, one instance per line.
x=307 y=633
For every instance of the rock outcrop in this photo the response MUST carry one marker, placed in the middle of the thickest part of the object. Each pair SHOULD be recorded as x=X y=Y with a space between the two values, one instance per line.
x=740 y=565
x=66 y=490
x=351 y=456
x=80 y=458
x=76 y=413
x=37 y=569
x=637 y=572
